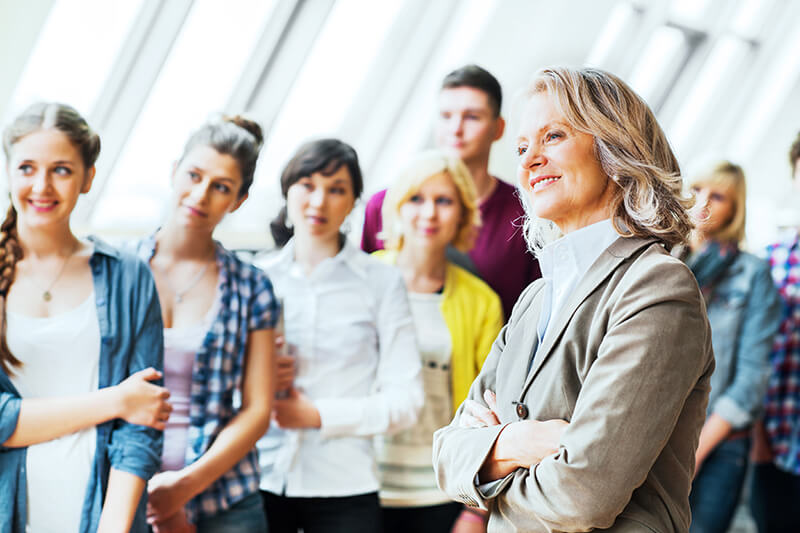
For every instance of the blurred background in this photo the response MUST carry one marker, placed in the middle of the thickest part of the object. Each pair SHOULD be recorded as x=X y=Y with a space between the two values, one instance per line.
x=723 y=76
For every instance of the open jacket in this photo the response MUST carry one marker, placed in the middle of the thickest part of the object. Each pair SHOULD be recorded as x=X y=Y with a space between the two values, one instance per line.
x=628 y=366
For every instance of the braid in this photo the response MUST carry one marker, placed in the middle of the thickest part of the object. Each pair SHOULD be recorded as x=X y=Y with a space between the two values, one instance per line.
x=10 y=253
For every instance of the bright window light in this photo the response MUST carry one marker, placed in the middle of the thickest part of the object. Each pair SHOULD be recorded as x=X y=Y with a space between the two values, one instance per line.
x=323 y=92
x=196 y=80
x=74 y=53
x=662 y=56
x=620 y=20
x=688 y=11
x=720 y=68
x=750 y=17
x=776 y=86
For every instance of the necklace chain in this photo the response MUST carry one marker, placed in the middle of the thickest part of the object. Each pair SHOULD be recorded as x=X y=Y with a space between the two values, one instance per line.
x=46 y=294
x=179 y=294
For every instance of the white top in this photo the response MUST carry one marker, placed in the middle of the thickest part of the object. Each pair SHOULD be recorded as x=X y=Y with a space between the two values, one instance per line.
x=60 y=356
x=350 y=327
x=406 y=469
x=565 y=261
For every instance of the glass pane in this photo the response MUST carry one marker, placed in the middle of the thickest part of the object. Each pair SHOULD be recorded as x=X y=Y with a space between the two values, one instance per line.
x=197 y=79
x=664 y=53
x=319 y=98
x=75 y=53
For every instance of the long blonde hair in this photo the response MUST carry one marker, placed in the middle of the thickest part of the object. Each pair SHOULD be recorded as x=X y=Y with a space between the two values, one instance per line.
x=630 y=146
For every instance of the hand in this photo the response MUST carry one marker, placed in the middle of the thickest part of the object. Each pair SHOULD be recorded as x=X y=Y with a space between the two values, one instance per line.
x=167 y=493
x=177 y=523
x=475 y=415
x=296 y=411
x=533 y=440
x=284 y=370
x=142 y=402
x=522 y=444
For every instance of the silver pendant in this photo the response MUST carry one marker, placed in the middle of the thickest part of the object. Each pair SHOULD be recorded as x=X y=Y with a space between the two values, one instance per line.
x=46 y=296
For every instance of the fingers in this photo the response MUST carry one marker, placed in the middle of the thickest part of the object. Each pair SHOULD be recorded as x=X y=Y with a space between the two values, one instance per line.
x=284 y=361
x=483 y=415
x=148 y=374
x=491 y=399
x=468 y=421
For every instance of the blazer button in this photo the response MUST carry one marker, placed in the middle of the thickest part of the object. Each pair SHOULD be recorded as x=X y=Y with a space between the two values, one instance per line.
x=522 y=410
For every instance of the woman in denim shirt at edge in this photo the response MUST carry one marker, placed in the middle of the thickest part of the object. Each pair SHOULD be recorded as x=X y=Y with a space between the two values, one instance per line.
x=219 y=313
x=80 y=347
x=744 y=312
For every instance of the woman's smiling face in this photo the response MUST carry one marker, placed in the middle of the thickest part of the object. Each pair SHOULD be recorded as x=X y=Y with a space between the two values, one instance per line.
x=558 y=168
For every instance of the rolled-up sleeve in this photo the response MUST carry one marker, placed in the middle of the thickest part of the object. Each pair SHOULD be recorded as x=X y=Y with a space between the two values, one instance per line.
x=9 y=415
x=740 y=403
x=137 y=449
x=398 y=395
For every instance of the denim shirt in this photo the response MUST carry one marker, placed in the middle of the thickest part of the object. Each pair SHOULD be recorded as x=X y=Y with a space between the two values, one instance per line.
x=744 y=313
x=129 y=317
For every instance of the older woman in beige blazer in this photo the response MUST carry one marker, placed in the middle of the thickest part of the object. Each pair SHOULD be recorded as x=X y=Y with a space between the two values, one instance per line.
x=587 y=412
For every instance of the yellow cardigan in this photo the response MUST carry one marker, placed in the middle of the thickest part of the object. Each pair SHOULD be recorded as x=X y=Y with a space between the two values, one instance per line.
x=474 y=316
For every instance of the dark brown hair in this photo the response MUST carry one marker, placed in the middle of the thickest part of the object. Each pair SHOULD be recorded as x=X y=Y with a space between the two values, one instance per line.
x=477 y=78
x=235 y=136
x=325 y=156
x=36 y=117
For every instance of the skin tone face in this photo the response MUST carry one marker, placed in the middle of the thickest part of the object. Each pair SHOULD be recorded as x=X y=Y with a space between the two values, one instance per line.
x=206 y=188
x=318 y=204
x=558 y=169
x=46 y=177
x=431 y=216
x=467 y=125
x=716 y=207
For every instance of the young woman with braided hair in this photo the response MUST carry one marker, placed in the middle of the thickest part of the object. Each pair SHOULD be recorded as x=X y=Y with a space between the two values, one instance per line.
x=80 y=346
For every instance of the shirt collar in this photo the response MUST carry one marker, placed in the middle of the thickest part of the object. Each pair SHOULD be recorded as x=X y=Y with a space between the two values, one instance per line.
x=103 y=248
x=349 y=256
x=579 y=248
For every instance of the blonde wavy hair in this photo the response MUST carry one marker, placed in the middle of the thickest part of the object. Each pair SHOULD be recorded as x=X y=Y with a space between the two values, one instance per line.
x=729 y=175
x=631 y=148
x=423 y=167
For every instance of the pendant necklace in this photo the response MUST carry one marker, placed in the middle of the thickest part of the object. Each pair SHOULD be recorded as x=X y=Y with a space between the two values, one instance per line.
x=47 y=295
x=179 y=294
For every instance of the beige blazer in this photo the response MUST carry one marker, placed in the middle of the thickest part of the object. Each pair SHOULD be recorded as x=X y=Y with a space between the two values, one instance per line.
x=628 y=365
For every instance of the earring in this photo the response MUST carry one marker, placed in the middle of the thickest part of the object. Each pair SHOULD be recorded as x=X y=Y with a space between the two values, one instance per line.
x=288 y=223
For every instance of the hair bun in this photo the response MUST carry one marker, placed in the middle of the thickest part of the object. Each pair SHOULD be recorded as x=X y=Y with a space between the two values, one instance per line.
x=250 y=126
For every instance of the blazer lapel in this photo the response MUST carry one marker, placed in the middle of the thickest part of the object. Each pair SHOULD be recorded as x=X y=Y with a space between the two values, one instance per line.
x=609 y=260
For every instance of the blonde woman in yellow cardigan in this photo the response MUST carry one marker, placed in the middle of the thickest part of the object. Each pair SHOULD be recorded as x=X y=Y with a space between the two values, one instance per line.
x=431 y=207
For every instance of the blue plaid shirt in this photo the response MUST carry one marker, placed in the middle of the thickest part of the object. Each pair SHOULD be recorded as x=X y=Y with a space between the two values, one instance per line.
x=247 y=304
x=782 y=405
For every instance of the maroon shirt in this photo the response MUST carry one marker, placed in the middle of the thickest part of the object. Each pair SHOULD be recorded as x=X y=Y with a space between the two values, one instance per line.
x=500 y=254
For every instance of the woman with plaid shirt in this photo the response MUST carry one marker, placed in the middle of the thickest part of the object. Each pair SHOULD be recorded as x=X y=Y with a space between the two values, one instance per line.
x=219 y=314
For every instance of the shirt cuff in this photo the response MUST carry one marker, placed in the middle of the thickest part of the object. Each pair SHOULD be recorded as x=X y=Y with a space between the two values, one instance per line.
x=491 y=489
x=732 y=413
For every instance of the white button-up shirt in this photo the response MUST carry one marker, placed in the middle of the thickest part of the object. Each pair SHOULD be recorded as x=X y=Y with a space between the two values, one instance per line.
x=565 y=261
x=349 y=326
